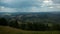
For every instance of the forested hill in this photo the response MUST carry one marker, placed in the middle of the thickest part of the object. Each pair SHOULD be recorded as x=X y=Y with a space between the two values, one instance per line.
x=42 y=21
x=37 y=17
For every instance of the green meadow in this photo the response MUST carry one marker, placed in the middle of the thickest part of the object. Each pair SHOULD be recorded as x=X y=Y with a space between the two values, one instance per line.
x=10 y=30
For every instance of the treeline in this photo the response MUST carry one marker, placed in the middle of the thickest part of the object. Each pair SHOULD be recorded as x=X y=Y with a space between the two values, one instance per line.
x=29 y=25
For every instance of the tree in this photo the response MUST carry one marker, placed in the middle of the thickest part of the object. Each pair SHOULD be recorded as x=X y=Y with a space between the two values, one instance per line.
x=3 y=21
x=13 y=23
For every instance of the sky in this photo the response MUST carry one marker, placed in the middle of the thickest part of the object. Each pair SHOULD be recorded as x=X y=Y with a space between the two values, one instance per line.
x=29 y=5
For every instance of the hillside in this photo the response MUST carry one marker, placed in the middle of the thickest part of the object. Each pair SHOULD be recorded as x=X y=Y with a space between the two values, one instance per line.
x=10 y=30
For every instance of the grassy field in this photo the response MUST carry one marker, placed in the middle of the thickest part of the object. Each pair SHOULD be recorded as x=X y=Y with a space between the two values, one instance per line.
x=10 y=30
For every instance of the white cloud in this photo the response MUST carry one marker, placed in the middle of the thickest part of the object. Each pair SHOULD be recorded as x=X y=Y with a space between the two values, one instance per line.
x=58 y=6
x=5 y=9
x=29 y=9
x=51 y=7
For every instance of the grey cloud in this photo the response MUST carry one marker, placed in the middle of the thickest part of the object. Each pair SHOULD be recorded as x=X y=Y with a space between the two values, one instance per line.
x=20 y=3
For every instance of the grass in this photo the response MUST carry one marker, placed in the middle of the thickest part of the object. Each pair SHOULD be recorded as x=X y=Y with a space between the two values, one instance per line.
x=10 y=30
